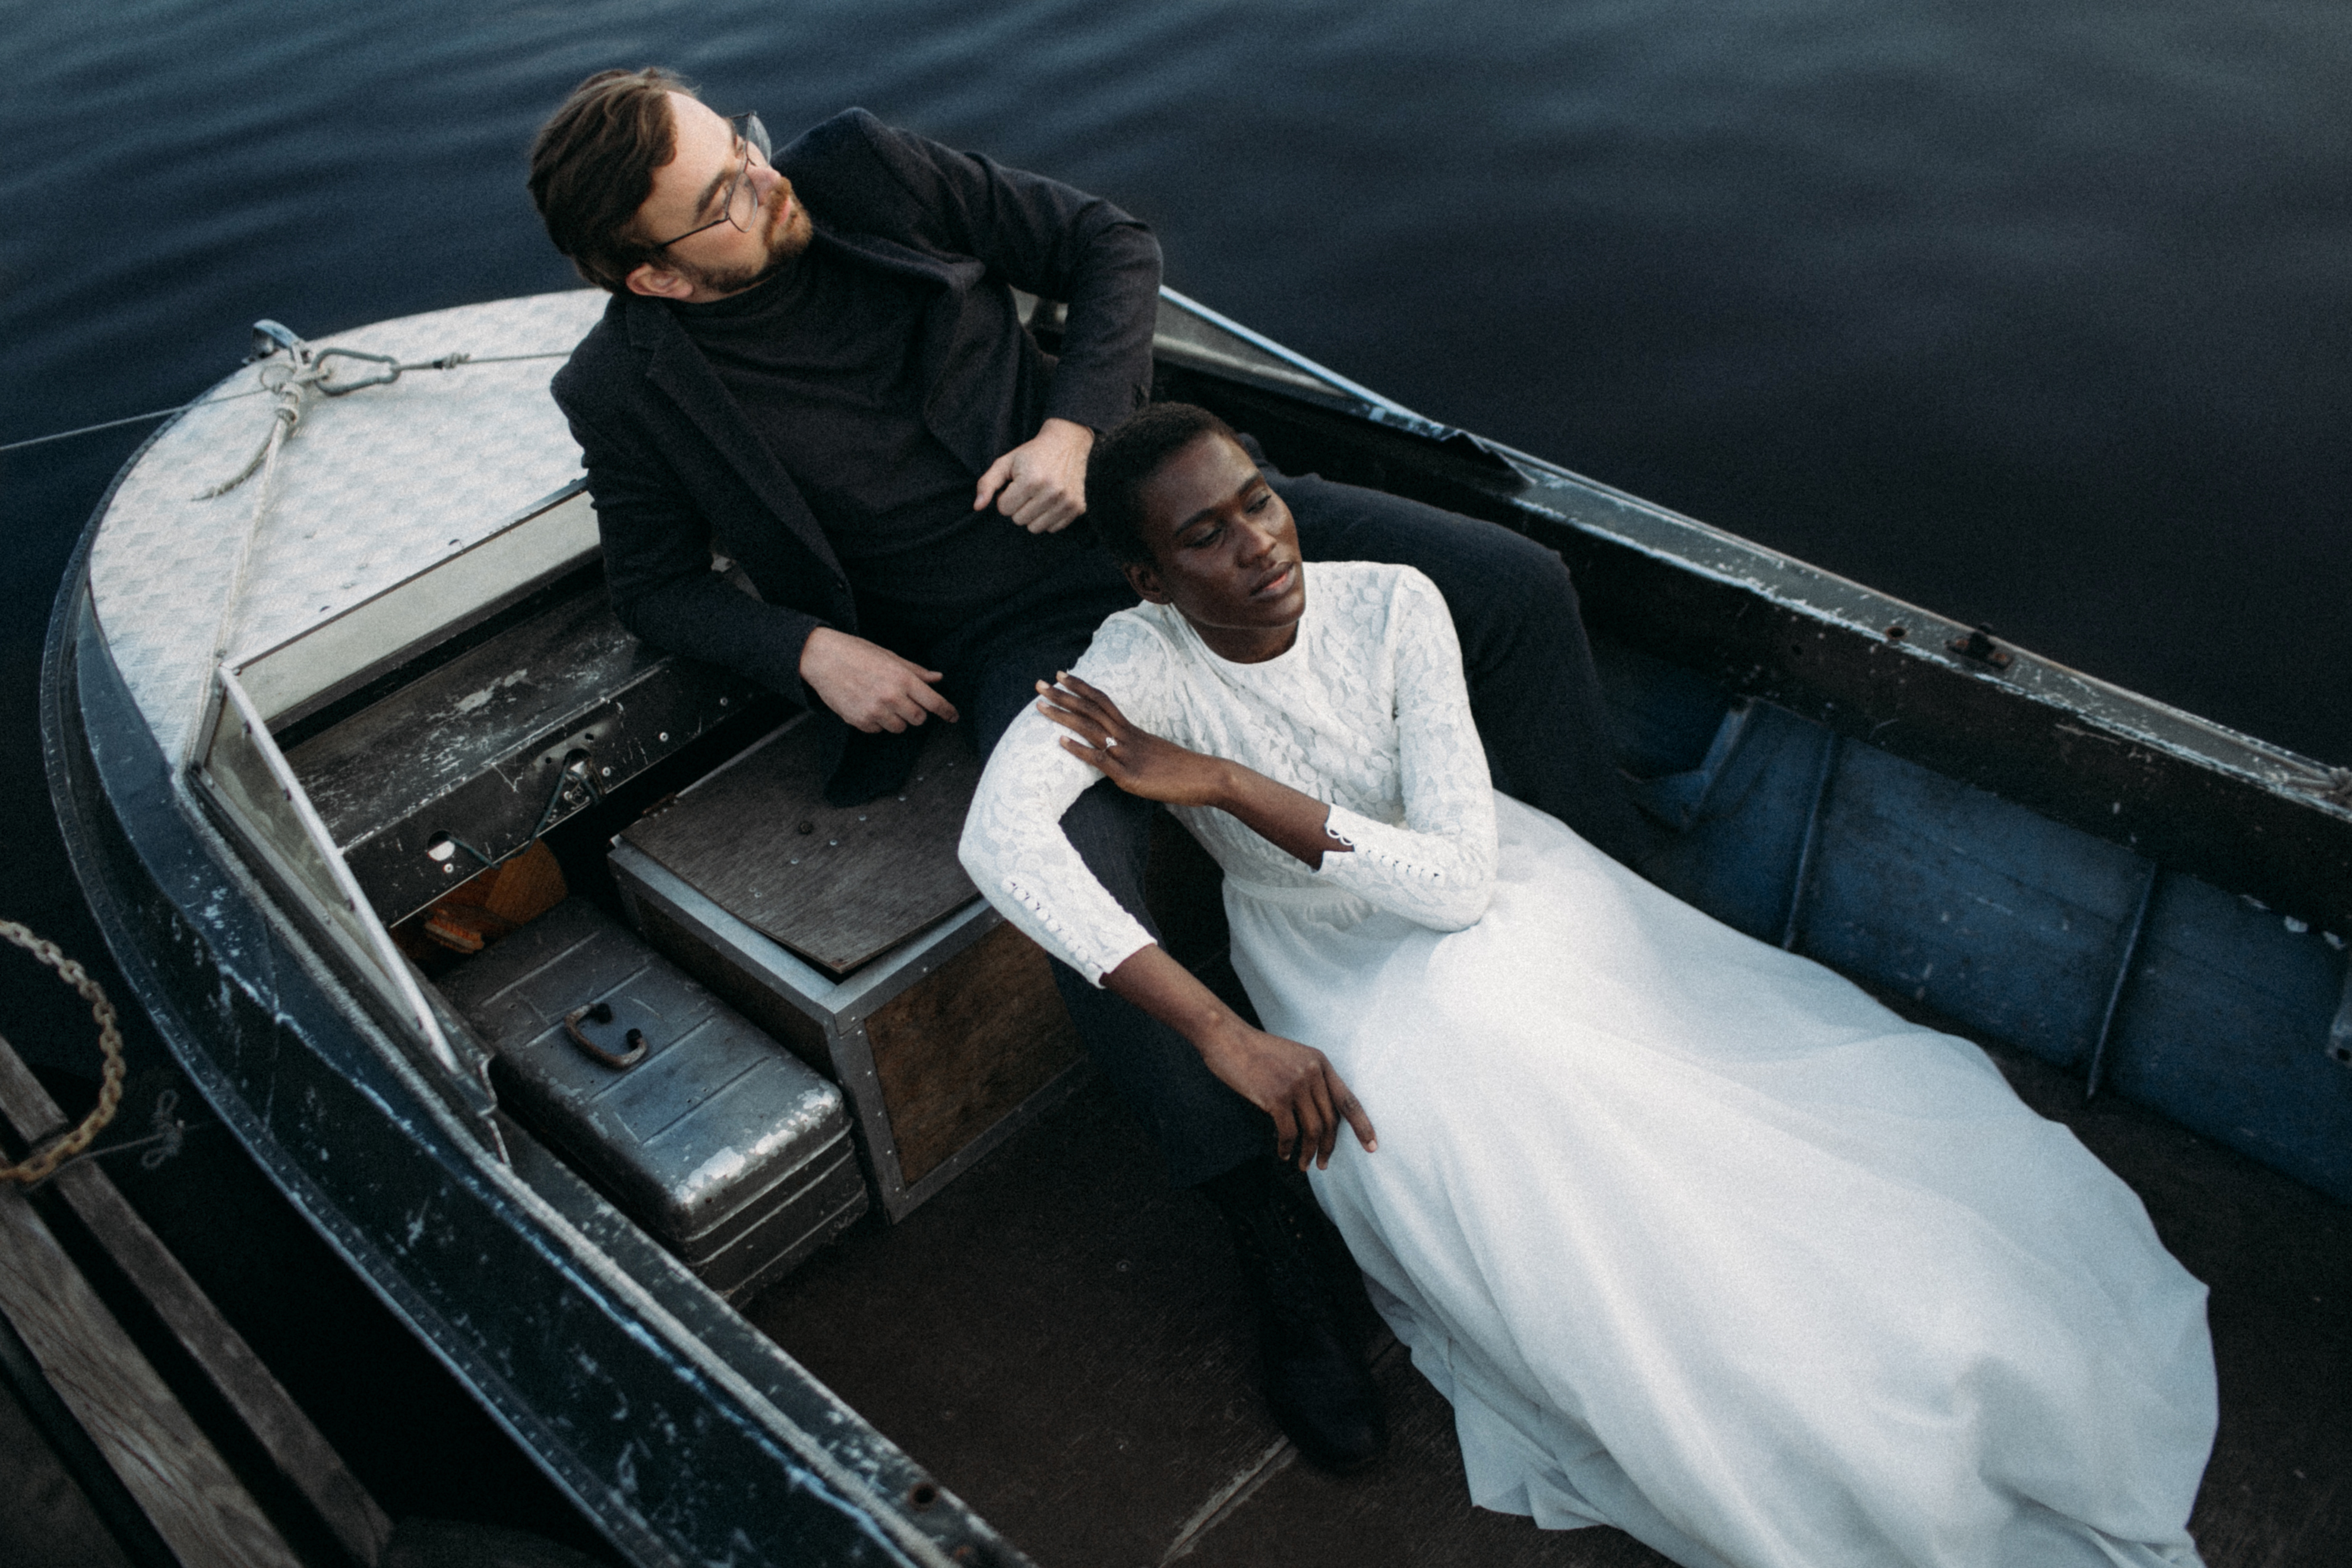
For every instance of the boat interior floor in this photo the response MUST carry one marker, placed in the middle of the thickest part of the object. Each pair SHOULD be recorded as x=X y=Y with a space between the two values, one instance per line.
x=1059 y=1337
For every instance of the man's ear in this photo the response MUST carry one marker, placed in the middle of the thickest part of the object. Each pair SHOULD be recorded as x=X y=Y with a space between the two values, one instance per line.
x=1144 y=581
x=658 y=282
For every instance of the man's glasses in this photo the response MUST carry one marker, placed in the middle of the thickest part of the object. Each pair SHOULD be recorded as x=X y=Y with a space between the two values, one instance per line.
x=738 y=205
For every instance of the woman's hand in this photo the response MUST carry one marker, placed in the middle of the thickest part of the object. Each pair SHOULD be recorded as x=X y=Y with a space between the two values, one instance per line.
x=1136 y=760
x=1143 y=765
x=1297 y=1085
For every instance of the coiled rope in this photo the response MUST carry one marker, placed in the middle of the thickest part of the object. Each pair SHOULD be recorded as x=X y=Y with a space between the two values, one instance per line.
x=41 y=1164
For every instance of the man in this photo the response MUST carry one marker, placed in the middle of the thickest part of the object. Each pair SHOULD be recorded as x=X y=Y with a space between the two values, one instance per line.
x=813 y=365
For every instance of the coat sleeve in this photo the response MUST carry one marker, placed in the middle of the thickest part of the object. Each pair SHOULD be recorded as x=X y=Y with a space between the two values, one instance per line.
x=1014 y=846
x=658 y=561
x=1437 y=867
x=1052 y=240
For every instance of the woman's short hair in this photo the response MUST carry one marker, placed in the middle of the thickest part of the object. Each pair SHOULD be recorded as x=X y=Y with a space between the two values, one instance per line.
x=1123 y=462
x=592 y=167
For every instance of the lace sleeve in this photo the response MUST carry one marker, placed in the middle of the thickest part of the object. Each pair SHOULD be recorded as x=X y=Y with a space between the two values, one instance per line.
x=1012 y=845
x=1438 y=868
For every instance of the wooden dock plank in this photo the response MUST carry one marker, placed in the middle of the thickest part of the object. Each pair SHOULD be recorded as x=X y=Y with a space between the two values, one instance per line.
x=172 y=1471
x=293 y=1444
x=45 y=1517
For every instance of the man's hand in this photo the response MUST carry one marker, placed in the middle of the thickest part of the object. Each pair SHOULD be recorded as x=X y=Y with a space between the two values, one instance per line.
x=868 y=684
x=1041 y=483
x=1295 y=1084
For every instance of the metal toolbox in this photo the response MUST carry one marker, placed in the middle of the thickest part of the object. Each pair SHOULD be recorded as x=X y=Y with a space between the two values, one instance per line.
x=722 y=1144
x=938 y=1021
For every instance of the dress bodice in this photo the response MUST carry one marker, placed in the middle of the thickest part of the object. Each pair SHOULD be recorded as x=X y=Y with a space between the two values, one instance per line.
x=1366 y=710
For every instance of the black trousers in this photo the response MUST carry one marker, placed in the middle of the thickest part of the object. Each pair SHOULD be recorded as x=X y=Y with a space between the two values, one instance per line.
x=1532 y=692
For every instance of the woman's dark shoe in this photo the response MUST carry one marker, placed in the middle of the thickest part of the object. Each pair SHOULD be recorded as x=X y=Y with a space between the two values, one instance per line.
x=1313 y=1371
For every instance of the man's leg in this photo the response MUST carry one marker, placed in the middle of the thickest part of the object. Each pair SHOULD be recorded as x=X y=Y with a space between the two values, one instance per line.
x=1533 y=690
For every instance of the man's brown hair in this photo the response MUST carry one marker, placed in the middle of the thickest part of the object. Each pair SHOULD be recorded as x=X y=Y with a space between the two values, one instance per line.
x=592 y=167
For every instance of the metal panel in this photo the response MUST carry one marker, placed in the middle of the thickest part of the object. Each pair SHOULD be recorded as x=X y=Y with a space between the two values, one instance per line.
x=2225 y=1028
x=256 y=791
x=736 y=1156
x=372 y=486
x=1996 y=918
x=345 y=651
x=470 y=758
x=1739 y=859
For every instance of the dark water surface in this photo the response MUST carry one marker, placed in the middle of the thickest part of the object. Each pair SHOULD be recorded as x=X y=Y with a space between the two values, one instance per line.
x=2033 y=317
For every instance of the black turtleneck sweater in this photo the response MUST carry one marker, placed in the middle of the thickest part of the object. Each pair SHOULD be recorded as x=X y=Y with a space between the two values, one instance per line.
x=825 y=360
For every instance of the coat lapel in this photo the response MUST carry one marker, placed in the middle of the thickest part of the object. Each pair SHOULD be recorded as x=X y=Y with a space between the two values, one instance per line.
x=677 y=368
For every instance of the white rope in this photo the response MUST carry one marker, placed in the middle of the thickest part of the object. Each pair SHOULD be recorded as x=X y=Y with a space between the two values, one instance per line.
x=304 y=374
x=446 y=362
x=282 y=426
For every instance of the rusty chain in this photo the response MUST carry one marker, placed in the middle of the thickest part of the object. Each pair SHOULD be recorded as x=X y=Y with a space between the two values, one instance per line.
x=39 y=1165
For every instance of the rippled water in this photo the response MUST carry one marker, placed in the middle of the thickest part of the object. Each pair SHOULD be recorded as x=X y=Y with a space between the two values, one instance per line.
x=2033 y=316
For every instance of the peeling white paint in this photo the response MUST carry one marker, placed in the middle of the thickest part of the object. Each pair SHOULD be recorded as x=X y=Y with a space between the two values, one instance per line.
x=722 y=1166
x=473 y=699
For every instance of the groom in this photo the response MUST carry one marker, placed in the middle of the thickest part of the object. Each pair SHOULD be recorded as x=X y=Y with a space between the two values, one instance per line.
x=811 y=364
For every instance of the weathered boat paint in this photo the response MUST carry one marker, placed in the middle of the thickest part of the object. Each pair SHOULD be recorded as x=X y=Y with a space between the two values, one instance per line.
x=2117 y=887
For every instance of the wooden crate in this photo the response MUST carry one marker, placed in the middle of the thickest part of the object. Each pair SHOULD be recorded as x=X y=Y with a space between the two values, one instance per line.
x=859 y=943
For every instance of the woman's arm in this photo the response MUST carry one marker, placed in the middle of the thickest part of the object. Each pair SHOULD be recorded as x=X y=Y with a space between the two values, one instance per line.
x=1142 y=763
x=1015 y=848
x=1435 y=869
x=1295 y=1084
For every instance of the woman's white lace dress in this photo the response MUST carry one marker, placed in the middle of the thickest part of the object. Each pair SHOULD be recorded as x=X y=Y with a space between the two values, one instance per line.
x=1699 y=1240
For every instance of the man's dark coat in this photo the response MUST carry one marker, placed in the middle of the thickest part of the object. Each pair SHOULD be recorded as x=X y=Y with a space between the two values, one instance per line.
x=677 y=471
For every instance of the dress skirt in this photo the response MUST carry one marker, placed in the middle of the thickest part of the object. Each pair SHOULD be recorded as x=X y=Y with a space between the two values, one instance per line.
x=1704 y=1243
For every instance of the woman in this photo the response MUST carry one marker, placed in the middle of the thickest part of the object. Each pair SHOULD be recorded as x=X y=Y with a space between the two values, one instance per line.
x=1699 y=1240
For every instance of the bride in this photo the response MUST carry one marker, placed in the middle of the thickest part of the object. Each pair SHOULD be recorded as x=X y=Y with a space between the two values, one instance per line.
x=1699 y=1240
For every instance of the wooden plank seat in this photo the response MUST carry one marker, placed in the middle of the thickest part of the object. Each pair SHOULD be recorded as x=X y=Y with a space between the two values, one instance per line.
x=854 y=936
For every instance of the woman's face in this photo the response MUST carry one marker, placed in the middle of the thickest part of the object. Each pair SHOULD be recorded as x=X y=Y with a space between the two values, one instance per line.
x=1225 y=551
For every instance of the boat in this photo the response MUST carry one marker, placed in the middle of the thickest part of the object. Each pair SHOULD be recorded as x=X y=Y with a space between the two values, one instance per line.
x=2145 y=904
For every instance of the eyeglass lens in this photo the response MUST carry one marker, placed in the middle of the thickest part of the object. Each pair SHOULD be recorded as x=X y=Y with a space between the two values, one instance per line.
x=741 y=200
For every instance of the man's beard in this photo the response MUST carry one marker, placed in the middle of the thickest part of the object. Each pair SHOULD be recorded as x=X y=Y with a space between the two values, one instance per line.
x=785 y=248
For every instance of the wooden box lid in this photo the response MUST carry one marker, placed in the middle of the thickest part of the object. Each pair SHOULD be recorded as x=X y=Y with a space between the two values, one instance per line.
x=839 y=886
